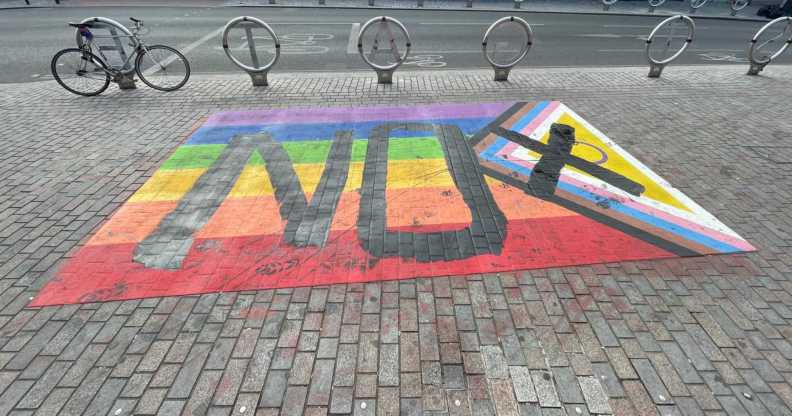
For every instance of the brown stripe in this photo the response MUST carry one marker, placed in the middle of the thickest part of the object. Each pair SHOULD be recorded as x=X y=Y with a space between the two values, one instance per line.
x=518 y=115
x=485 y=142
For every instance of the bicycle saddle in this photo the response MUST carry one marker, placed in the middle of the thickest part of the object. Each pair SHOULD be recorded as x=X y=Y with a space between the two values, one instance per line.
x=80 y=25
x=135 y=20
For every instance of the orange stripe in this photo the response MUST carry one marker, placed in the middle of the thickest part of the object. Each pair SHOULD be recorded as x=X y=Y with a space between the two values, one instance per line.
x=132 y=222
x=406 y=208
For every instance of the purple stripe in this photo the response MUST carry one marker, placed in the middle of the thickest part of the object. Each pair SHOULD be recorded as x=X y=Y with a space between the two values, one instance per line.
x=357 y=114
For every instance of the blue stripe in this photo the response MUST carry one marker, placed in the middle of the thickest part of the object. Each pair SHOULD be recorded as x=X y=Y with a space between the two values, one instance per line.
x=615 y=205
x=323 y=131
x=530 y=116
x=495 y=148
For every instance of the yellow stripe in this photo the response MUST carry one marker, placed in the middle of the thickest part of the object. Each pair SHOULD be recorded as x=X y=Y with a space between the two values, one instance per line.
x=172 y=185
x=167 y=185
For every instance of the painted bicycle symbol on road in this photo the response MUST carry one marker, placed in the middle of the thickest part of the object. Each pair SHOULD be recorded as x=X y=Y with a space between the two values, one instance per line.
x=293 y=43
x=426 y=61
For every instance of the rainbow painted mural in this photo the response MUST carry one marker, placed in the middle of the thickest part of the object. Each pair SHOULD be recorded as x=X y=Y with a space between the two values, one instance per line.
x=314 y=196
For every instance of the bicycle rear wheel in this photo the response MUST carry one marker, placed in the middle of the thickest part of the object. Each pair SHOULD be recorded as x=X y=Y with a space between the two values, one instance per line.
x=80 y=72
x=162 y=68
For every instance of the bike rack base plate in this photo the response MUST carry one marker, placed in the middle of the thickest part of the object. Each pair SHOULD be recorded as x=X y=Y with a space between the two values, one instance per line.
x=126 y=82
x=755 y=68
x=655 y=70
x=384 y=77
x=502 y=74
x=259 y=79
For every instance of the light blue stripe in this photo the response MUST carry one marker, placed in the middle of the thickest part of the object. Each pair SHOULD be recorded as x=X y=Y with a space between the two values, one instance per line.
x=530 y=116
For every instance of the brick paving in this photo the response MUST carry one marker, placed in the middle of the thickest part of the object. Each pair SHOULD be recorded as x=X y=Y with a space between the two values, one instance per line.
x=703 y=335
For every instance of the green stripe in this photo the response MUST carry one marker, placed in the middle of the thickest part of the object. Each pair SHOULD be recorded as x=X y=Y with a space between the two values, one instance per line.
x=314 y=151
x=193 y=156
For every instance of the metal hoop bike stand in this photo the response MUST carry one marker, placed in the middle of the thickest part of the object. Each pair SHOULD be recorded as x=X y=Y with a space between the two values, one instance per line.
x=502 y=70
x=384 y=72
x=653 y=4
x=257 y=71
x=697 y=4
x=656 y=65
x=606 y=4
x=758 y=64
x=737 y=5
x=117 y=31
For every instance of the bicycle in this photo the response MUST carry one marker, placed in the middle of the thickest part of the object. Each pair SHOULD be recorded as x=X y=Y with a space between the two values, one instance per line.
x=83 y=72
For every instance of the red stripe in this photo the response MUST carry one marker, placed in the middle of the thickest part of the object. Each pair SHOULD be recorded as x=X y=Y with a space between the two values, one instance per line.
x=102 y=273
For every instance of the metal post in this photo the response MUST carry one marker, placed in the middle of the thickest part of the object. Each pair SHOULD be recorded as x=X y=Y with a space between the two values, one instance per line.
x=420 y=3
x=469 y=3
x=517 y=4
x=271 y=1
x=321 y=2
x=371 y=2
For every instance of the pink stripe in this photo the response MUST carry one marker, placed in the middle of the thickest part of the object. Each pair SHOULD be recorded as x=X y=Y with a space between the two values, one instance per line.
x=714 y=234
x=540 y=118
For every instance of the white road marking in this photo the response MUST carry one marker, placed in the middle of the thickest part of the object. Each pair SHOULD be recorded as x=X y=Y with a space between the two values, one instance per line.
x=187 y=49
x=647 y=26
x=353 y=34
x=469 y=23
x=689 y=50
x=311 y=23
x=461 y=51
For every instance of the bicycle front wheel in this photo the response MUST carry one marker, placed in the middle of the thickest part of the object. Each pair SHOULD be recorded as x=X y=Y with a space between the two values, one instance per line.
x=162 y=67
x=80 y=72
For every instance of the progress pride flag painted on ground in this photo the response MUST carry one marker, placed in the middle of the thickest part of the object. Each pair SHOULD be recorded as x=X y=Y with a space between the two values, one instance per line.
x=298 y=197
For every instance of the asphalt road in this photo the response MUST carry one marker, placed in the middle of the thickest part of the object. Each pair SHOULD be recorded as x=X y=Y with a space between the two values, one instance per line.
x=320 y=39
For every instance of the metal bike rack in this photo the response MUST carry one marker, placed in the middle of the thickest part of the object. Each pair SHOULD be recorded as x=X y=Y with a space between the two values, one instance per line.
x=606 y=4
x=656 y=66
x=758 y=65
x=697 y=4
x=258 y=73
x=502 y=70
x=737 y=5
x=653 y=4
x=384 y=72
x=126 y=81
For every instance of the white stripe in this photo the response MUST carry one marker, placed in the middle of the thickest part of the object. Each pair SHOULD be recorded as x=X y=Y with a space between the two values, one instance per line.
x=353 y=34
x=187 y=49
x=688 y=50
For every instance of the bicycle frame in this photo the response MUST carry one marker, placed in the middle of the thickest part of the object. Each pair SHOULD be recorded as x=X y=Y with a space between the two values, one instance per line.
x=116 y=71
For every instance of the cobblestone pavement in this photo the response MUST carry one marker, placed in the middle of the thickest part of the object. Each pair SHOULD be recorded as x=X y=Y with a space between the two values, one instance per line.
x=703 y=335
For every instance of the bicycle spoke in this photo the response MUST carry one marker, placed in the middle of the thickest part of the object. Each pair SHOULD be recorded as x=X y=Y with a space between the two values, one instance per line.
x=162 y=68
x=78 y=72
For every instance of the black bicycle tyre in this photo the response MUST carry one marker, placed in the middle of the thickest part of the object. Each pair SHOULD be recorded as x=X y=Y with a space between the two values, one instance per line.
x=94 y=58
x=139 y=60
